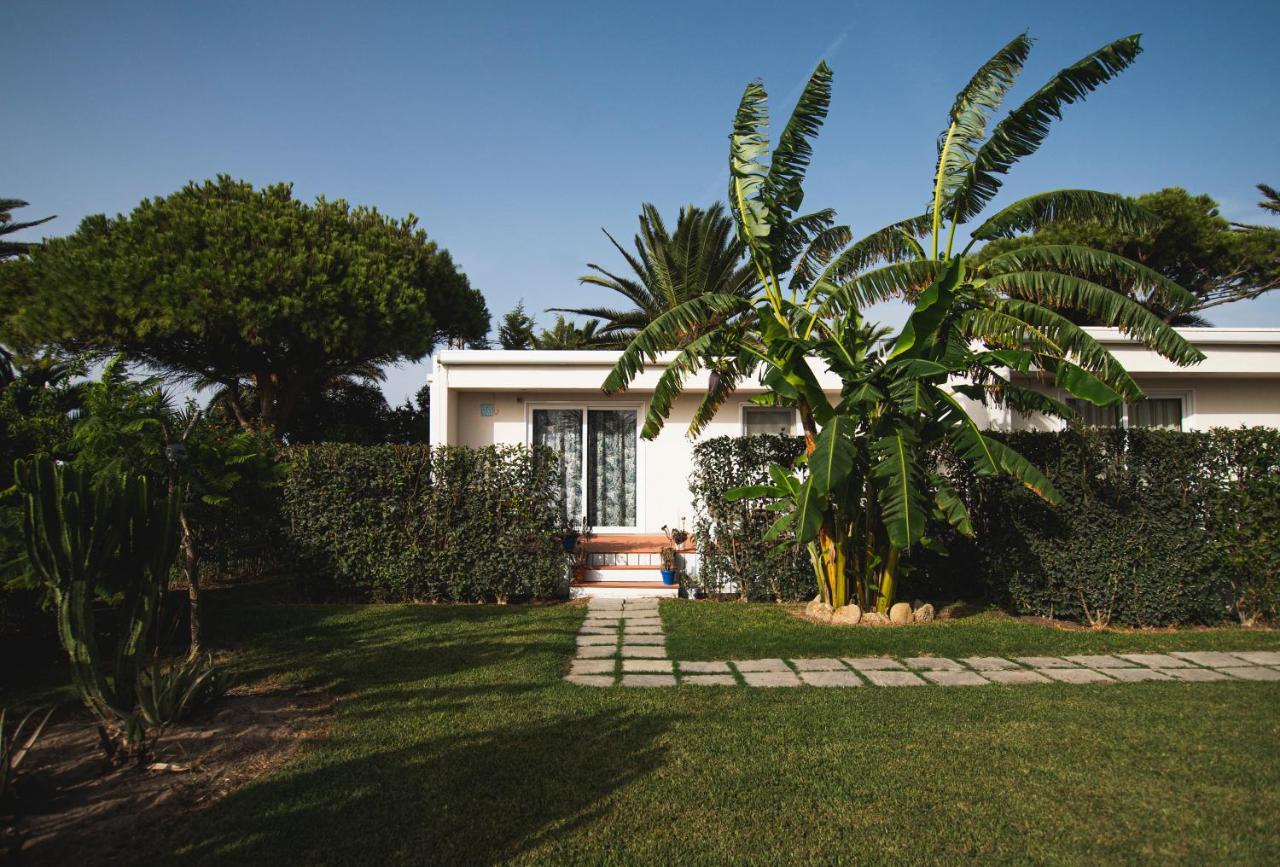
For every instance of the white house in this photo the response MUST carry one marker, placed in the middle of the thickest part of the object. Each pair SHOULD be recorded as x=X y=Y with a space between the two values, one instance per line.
x=628 y=488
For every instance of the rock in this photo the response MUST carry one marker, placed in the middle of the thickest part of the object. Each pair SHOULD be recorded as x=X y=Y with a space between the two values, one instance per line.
x=874 y=618
x=819 y=610
x=846 y=615
x=900 y=613
x=923 y=614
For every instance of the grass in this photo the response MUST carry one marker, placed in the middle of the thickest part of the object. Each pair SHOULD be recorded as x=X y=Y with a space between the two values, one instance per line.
x=456 y=741
x=746 y=631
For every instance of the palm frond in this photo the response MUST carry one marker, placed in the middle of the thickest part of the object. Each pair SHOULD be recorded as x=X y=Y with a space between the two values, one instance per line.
x=1094 y=264
x=784 y=183
x=1067 y=206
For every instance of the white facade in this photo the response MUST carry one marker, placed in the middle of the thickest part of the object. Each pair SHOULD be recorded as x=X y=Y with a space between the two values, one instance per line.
x=489 y=397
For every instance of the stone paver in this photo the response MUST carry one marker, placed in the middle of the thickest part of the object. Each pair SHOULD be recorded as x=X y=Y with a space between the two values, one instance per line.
x=709 y=679
x=588 y=640
x=632 y=638
x=1076 y=675
x=770 y=678
x=613 y=630
x=1196 y=674
x=1044 y=662
x=663 y=665
x=596 y=652
x=818 y=665
x=883 y=677
x=956 y=678
x=819 y=677
x=874 y=663
x=1015 y=677
x=590 y=679
x=933 y=663
x=991 y=663
x=1100 y=661
x=1252 y=672
x=643 y=630
x=592 y=666
x=643 y=651
x=1131 y=675
x=1259 y=657
x=600 y=624
x=1208 y=659
x=745 y=665
x=705 y=667
x=1156 y=660
x=648 y=680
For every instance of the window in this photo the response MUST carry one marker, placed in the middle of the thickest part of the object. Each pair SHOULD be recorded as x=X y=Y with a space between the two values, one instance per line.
x=1162 y=412
x=760 y=420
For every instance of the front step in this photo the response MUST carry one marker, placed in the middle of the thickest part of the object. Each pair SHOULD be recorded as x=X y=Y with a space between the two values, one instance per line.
x=622 y=589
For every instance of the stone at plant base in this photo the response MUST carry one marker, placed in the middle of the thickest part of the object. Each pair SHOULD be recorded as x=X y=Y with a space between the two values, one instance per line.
x=873 y=618
x=900 y=613
x=846 y=615
x=923 y=614
x=819 y=610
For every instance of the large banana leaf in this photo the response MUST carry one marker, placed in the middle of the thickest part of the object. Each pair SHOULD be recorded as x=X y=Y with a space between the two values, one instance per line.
x=1094 y=265
x=900 y=482
x=1067 y=206
x=833 y=455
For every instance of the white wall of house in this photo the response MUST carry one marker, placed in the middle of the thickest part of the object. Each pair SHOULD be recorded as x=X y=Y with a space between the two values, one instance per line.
x=482 y=398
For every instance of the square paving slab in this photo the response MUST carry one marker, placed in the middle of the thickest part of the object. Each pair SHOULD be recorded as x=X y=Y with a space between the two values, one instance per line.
x=1100 y=661
x=874 y=663
x=1014 y=677
x=648 y=680
x=881 y=677
x=590 y=679
x=1255 y=672
x=1199 y=675
x=1045 y=662
x=1156 y=660
x=705 y=667
x=770 y=678
x=956 y=678
x=613 y=630
x=592 y=666
x=843 y=677
x=632 y=638
x=1208 y=659
x=818 y=665
x=1259 y=657
x=643 y=651
x=1131 y=675
x=655 y=665
x=1076 y=675
x=588 y=640
x=933 y=663
x=644 y=630
x=745 y=665
x=709 y=679
x=596 y=651
x=991 y=663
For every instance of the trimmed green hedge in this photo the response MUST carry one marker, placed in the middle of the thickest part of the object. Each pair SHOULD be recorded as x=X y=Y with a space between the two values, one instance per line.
x=1156 y=528
x=410 y=522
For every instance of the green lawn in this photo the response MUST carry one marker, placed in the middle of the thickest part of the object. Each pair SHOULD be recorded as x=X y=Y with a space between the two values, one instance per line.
x=457 y=741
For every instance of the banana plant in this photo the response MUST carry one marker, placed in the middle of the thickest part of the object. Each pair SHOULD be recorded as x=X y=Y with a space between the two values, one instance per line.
x=977 y=324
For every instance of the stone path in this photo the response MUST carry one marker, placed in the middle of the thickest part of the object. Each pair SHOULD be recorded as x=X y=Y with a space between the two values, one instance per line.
x=622 y=643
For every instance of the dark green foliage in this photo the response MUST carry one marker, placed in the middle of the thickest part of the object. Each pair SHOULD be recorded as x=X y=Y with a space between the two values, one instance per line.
x=167 y=694
x=234 y=286
x=1154 y=528
x=12 y=249
x=732 y=551
x=416 y=523
x=516 y=330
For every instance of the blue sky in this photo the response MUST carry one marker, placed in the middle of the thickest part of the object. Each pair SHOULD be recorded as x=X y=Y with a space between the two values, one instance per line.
x=516 y=131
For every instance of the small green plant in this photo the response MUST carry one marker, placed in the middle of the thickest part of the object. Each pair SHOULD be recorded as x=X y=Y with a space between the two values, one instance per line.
x=668 y=555
x=16 y=743
x=169 y=694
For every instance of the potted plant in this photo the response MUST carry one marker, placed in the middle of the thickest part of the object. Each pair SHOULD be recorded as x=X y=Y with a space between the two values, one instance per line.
x=677 y=535
x=668 y=555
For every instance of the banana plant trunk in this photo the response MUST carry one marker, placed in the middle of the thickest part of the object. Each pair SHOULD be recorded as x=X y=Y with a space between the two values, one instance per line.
x=828 y=552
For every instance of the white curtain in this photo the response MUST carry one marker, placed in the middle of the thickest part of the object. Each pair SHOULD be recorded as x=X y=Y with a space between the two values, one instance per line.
x=611 y=467
x=561 y=431
x=1157 y=412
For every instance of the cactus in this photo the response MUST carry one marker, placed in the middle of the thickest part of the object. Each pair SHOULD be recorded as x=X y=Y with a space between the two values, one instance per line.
x=119 y=537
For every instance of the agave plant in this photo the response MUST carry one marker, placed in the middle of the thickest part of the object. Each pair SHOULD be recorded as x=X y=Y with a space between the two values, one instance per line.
x=869 y=488
x=16 y=743
x=169 y=694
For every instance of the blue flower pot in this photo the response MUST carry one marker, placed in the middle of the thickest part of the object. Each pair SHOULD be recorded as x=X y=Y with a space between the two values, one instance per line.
x=668 y=576
x=569 y=542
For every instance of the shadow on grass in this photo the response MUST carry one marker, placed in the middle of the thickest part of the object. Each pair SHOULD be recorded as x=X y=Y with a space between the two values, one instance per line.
x=468 y=797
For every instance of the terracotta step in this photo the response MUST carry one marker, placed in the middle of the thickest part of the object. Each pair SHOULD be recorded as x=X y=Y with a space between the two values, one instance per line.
x=630 y=543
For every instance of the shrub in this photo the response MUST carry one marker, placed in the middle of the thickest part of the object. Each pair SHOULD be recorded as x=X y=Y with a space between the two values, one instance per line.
x=732 y=553
x=411 y=522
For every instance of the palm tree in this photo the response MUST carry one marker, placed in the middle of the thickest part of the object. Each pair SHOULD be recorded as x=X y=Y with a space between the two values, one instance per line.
x=10 y=249
x=869 y=487
x=566 y=334
x=702 y=257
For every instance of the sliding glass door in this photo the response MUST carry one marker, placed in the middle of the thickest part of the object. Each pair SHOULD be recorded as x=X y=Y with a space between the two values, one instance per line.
x=598 y=462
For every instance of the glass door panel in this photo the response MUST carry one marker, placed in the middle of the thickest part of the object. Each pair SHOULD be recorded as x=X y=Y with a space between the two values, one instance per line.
x=611 y=467
x=561 y=431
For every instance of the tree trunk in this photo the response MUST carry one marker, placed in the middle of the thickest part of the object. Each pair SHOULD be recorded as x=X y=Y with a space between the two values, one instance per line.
x=191 y=568
x=834 y=589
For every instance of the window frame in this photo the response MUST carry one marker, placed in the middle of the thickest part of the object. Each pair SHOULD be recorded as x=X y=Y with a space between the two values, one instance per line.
x=793 y=429
x=1185 y=396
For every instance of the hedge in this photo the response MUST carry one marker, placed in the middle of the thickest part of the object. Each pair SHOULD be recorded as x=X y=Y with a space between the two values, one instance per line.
x=1156 y=528
x=411 y=522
